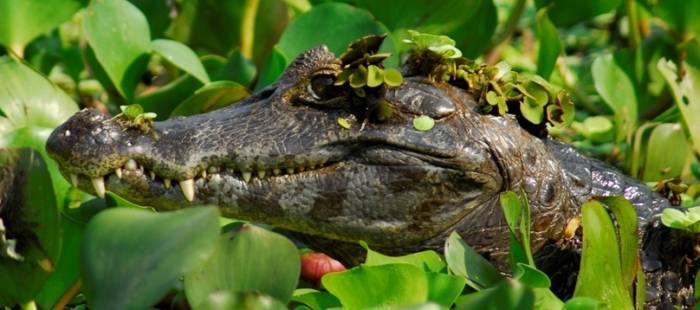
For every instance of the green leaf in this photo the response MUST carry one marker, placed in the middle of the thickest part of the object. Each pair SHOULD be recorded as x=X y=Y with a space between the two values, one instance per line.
x=121 y=243
x=223 y=300
x=344 y=122
x=314 y=299
x=29 y=226
x=687 y=97
x=540 y=283
x=423 y=123
x=626 y=219
x=250 y=259
x=358 y=78
x=392 y=285
x=517 y=214
x=238 y=68
x=466 y=262
x=595 y=128
x=617 y=90
x=375 y=76
x=426 y=260
x=119 y=35
x=443 y=288
x=335 y=25
x=601 y=255
x=23 y=21
x=474 y=35
x=550 y=45
x=659 y=163
x=505 y=295
x=272 y=69
x=566 y=13
x=392 y=77
x=158 y=13
x=212 y=96
x=532 y=111
x=561 y=112
x=181 y=56
x=682 y=16
x=29 y=99
x=581 y=303
x=688 y=220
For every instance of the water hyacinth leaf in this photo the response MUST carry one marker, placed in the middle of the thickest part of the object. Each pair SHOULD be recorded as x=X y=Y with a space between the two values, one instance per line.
x=582 y=303
x=392 y=77
x=238 y=68
x=181 y=56
x=23 y=21
x=446 y=51
x=122 y=242
x=466 y=262
x=29 y=226
x=426 y=260
x=505 y=295
x=566 y=13
x=361 y=48
x=688 y=220
x=375 y=76
x=532 y=111
x=224 y=300
x=119 y=35
x=474 y=35
x=626 y=220
x=272 y=69
x=595 y=128
x=601 y=255
x=316 y=300
x=540 y=283
x=29 y=99
x=392 y=285
x=617 y=90
x=212 y=96
x=444 y=289
x=561 y=113
x=334 y=24
x=550 y=45
x=659 y=162
x=423 y=123
x=686 y=94
x=250 y=259
x=518 y=225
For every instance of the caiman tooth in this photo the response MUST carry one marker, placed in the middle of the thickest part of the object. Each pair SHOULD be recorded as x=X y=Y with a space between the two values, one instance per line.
x=187 y=187
x=153 y=175
x=74 y=180
x=290 y=170
x=276 y=171
x=247 y=175
x=261 y=174
x=118 y=172
x=131 y=164
x=166 y=182
x=99 y=185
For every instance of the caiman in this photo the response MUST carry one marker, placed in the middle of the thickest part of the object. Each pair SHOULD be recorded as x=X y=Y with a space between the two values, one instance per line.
x=281 y=157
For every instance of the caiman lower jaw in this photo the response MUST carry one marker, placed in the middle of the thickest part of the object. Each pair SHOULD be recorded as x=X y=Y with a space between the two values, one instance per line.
x=139 y=174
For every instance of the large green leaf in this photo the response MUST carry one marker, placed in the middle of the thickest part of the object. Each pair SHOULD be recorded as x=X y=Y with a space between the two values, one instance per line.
x=601 y=256
x=505 y=295
x=626 y=220
x=132 y=257
x=119 y=35
x=686 y=94
x=23 y=21
x=158 y=15
x=250 y=259
x=474 y=35
x=271 y=69
x=659 y=162
x=181 y=56
x=333 y=24
x=223 y=300
x=29 y=99
x=682 y=15
x=466 y=262
x=426 y=260
x=567 y=13
x=316 y=300
x=617 y=90
x=29 y=219
x=391 y=285
x=212 y=96
x=550 y=45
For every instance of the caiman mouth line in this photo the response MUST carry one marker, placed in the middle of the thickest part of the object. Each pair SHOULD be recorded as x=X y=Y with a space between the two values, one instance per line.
x=187 y=186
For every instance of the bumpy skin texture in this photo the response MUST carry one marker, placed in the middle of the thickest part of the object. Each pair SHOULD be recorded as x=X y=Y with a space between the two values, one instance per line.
x=386 y=183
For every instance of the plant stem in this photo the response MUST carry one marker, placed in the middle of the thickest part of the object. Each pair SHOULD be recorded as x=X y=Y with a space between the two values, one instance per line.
x=633 y=23
x=250 y=10
x=511 y=24
x=68 y=295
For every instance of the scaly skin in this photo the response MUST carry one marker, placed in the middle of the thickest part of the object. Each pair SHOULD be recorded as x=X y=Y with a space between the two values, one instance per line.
x=397 y=188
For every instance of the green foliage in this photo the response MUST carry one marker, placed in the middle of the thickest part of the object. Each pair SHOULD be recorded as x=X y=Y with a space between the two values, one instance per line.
x=151 y=60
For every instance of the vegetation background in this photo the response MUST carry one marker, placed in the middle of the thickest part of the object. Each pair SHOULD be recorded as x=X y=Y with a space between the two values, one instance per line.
x=632 y=67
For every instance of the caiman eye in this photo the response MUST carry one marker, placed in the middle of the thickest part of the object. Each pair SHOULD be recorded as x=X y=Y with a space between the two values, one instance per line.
x=321 y=87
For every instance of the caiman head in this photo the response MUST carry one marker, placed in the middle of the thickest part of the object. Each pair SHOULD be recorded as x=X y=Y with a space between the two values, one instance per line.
x=311 y=157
